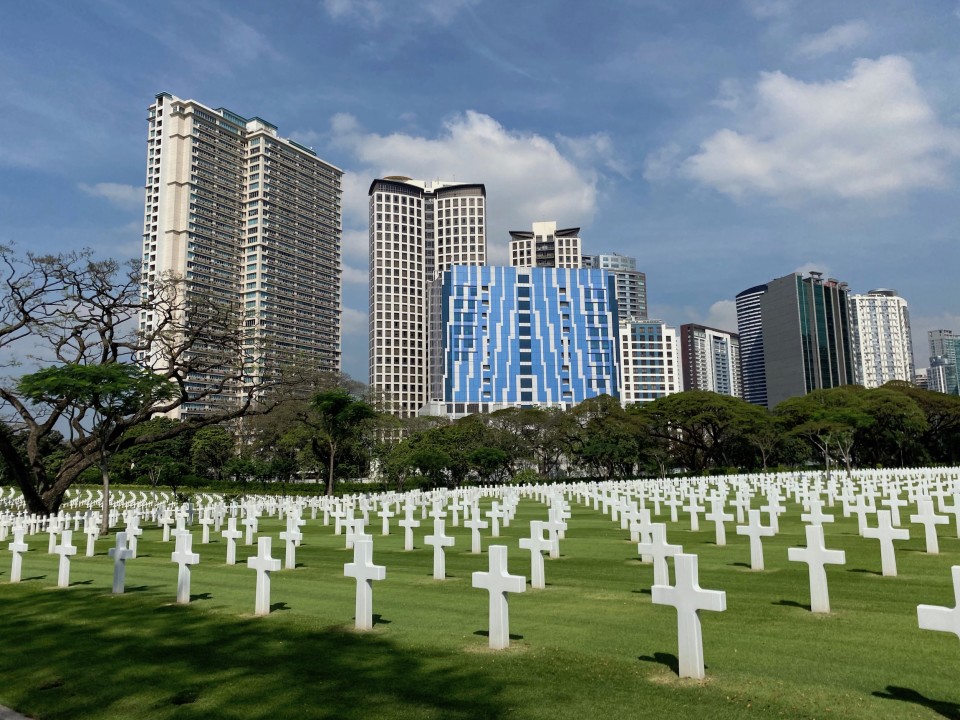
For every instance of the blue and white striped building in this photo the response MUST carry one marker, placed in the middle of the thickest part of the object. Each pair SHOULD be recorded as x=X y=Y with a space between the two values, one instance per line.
x=511 y=336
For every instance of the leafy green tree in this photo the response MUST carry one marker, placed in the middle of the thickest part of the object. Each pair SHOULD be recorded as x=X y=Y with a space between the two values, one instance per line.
x=893 y=436
x=340 y=419
x=95 y=400
x=829 y=420
x=211 y=451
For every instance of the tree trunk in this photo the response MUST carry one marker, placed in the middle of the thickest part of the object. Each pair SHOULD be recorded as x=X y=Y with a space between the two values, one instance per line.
x=105 y=520
x=333 y=451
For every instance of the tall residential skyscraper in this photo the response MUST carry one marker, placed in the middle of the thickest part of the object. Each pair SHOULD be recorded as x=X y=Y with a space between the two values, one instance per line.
x=418 y=229
x=806 y=336
x=631 y=283
x=521 y=337
x=649 y=361
x=750 y=330
x=884 y=350
x=545 y=246
x=711 y=360
x=251 y=222
x=941 y=342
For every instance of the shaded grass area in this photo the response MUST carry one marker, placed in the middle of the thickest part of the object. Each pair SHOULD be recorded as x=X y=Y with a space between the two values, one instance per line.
x=590 y=644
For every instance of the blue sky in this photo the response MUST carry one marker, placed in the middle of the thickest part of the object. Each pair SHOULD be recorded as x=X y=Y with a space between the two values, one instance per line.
x=723 y=143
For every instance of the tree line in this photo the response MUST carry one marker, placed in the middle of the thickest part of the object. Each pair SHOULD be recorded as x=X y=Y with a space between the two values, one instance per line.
x=93 y=411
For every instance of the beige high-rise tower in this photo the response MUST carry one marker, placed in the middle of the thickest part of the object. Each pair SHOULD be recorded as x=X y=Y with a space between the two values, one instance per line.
x=417 y=229
x=251 y=222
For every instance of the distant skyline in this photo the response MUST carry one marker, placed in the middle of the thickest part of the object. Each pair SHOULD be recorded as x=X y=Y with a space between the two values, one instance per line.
x=722 y=144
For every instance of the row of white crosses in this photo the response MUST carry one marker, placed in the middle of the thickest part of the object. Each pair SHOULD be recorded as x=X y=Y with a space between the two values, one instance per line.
x=685 y=595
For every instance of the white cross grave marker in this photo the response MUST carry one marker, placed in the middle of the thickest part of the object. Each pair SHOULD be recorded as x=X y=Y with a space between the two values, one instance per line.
x=365 y=572
x=408 y=524
x=755 y=530
x=439 y=540
x=232 y=535
x=689 y=599
x=17 y=547
x=816 y=556
x=929 y=519
x=658 y=549
x=718 y=516
x=536 y=544
x=120 y=554
x=476 y=524
x=942 y=619
x=498 y=582
x=184 y=558
x=65 y=550
x=264 y=565
x=886 y=533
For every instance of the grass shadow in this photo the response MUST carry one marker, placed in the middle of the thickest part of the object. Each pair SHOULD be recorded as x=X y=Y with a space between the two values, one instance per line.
x=278 y=607
x=741 y=564
x=943 y=708
x=667 y=659
x=486 y=633
x=380 y=620
x=864 y=571
x=224 y=663
x=791 y=603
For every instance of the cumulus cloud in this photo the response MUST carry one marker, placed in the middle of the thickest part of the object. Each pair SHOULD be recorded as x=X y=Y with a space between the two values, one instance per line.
x=128 y=197
x=871 y=134
x=723 y=315
x=839 y=37
x=354 y=276
x=353 y=322
x=528 y=177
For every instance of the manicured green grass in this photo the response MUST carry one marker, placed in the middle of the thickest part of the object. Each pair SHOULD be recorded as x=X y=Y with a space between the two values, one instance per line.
x=590 y=645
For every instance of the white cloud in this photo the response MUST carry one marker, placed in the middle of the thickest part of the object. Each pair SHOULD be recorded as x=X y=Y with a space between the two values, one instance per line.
x=662 y=163
x=809 y=267
x=723 y=315
x=839 y=37
x=871 y=134
x=353 y=322
x=128 y=197
x=354 y=276
x=596 y=149
x=527 y=176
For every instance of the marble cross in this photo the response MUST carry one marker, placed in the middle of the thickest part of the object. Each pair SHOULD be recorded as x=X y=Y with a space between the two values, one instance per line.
x=755 y=530
x=64 y=549
x=718 y=516
x=264 y=565
x=942 y=619
x=498 y=582
x=689 y=599
x=817 y=556
x=659 y=550
x=476 y=524
x=408 y=524
x=232 y=535
x=17 y=547
x=536 y=544
x=439 y=540
x=927 y=517
x=184 y=558
x=886 y=533
x=120 y=554
x=365 y=572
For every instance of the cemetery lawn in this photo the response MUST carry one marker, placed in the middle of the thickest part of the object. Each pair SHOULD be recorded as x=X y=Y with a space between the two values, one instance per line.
x=590 y=645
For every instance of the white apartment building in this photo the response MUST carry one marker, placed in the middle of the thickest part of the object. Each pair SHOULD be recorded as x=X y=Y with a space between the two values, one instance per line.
x=649 y=361
x=711 y=360
x=251 y=222
x=882 y=338
x=418 y=229
x=545 y=246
